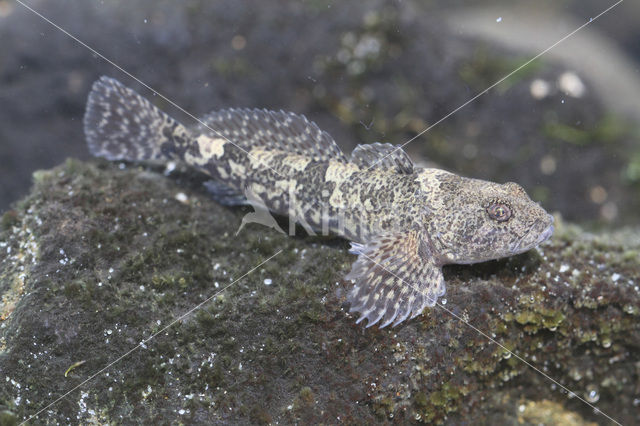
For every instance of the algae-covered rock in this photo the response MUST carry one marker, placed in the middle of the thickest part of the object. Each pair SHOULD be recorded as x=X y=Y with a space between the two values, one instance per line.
x=100 y=263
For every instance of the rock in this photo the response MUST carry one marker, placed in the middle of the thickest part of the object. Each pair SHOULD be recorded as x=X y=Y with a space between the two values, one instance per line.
x=131 y=303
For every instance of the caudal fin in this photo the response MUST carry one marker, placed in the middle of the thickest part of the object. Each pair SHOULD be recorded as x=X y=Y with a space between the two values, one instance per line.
x=119 y=124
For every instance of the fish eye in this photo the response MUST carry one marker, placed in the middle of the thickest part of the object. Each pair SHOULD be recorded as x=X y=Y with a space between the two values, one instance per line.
x=499 y=211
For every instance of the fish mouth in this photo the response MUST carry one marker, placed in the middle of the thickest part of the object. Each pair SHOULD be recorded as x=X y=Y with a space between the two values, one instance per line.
x=546 y=234
x=521 y=246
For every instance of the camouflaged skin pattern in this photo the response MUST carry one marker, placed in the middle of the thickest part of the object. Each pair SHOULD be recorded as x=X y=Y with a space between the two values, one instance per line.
x=404 y=222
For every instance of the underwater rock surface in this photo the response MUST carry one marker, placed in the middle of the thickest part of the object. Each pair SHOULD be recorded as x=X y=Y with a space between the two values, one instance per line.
x=101 y=256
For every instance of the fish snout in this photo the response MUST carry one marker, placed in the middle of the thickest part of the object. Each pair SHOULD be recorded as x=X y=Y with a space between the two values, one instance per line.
x=546 y=234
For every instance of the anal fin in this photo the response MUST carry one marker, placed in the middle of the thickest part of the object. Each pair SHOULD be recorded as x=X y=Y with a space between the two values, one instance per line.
x=395 y=278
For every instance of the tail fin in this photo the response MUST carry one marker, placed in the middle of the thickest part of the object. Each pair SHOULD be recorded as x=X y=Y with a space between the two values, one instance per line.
x=119 y=124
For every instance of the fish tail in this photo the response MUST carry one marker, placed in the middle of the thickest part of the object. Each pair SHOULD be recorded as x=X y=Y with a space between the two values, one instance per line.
x=119 y=124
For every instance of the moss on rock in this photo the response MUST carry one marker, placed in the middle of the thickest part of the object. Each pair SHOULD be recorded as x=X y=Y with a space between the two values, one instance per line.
x=100 y=257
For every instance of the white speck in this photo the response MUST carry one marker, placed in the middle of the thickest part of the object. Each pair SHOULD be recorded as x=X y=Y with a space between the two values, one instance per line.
x=499 y=19
x=289 y=407
x=181 y=411
x=443 y=301
x=62 y=252
x=141 y=288
x=182 y=197
x=539 y=89
x=109 y=331
x=548 y=165
x=615 y=277
x=564 y=268
x=142 y=345
x=591 y=394
x=571 y=84
x=145 y=21
x=562 y=101
x=111 y=270
x=216 y=266
x=267 y=281
x=521 y=408
x=171 y=166
x=100 y=284
x=122 y=166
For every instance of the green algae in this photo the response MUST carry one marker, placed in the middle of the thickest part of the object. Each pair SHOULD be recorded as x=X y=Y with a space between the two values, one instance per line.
x=9 y=219
x=485 y=68
x=608 y=130
x=535 y=320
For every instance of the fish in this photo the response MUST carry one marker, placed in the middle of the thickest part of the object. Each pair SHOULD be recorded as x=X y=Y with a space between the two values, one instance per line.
x=404 y=222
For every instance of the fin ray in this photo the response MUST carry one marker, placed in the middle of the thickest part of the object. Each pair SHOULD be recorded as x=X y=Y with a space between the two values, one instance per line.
x=280 y=130
x=395 y=278
x=382 y=156
x=119 y=124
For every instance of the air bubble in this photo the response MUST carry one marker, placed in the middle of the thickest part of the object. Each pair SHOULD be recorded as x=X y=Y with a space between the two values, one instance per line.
x=591 y=394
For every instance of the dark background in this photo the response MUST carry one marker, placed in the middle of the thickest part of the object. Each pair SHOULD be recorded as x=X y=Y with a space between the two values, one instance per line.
x=364 y=71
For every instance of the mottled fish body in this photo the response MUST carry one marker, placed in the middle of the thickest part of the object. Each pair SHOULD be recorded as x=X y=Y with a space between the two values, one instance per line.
x=405 y=222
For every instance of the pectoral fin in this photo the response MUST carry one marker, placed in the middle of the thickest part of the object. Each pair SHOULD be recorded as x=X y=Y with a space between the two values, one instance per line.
x=395 y=277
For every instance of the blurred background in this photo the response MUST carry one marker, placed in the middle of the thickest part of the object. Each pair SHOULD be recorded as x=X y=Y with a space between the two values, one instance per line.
x=566 y=126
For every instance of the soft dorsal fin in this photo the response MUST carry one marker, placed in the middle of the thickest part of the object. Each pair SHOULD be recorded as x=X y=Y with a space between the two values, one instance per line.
x=284 y=131
x=382 y=156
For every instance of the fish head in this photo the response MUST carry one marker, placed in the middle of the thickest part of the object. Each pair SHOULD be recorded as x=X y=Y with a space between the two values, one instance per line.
x=479 y=220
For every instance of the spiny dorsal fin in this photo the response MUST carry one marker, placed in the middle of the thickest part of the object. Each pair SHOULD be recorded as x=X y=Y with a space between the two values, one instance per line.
x=395 y=277
x=284 y=131
x=383 y=156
